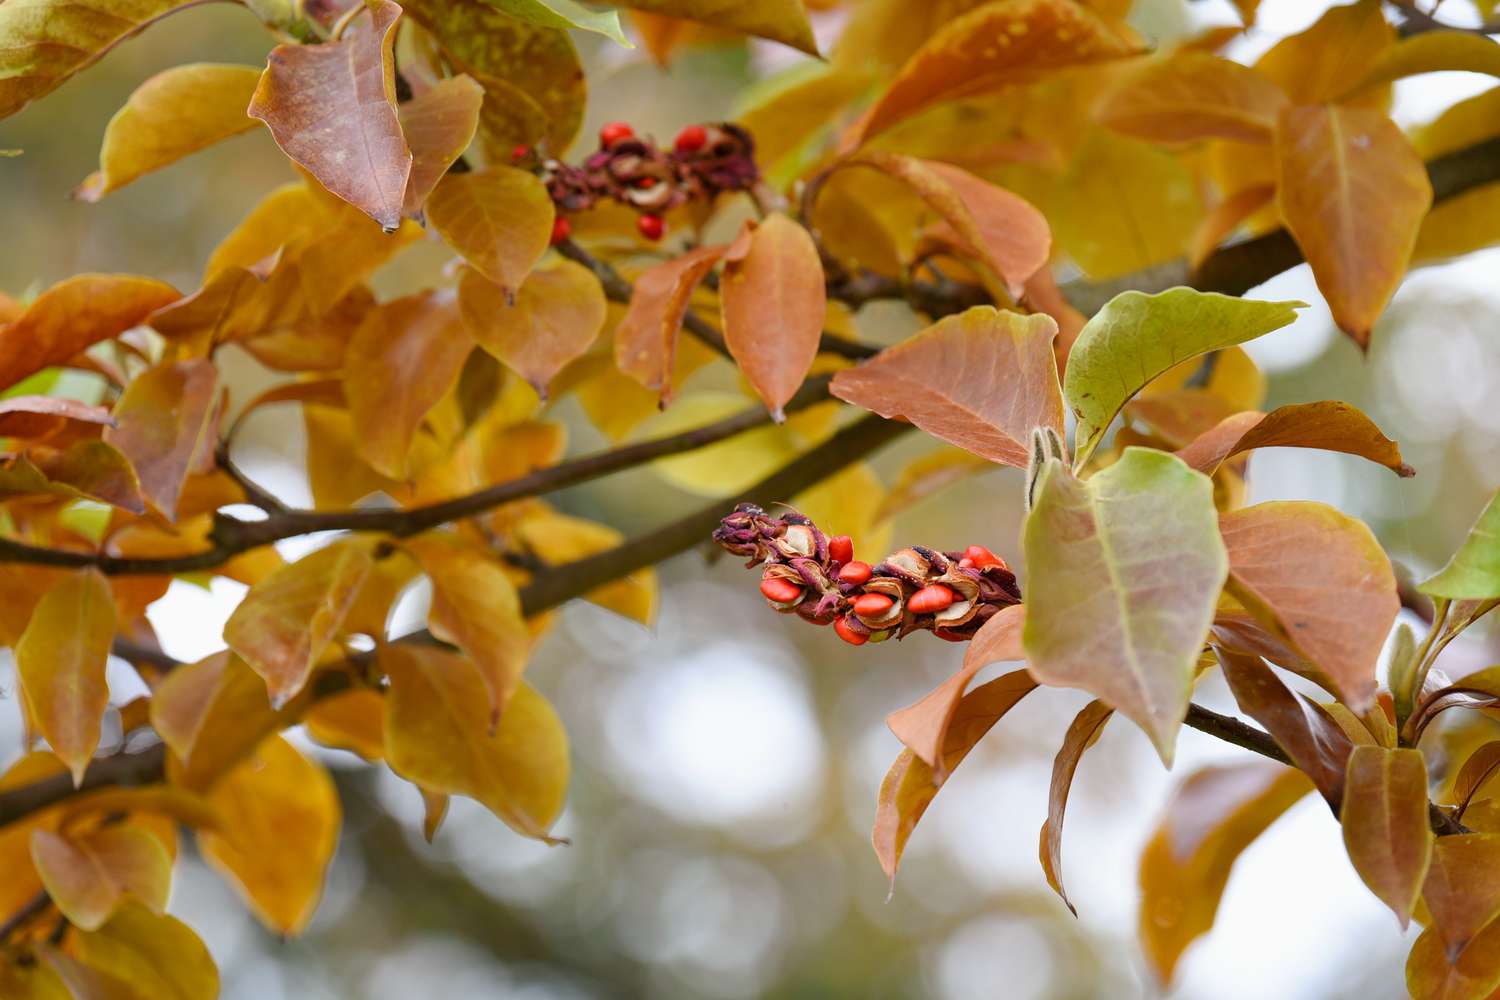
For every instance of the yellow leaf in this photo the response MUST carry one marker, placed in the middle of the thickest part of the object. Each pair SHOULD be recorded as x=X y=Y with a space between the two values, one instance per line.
x=31 y=981
x=280 y=827
x=439 y=123
x=1385 y=821
x=157 y=956
x=1459 y=225
x=1434 y=52
x=499 y=219
x=929 y=474
x=175 y=113
x=88 y=874
x=61 y=659
x=558 y=538
x=779 y=20
x=210 y=714
x=1300 y=65
x=437 y=730
x=729 y=466
x=1194 y=95
x=549 y=321
x=336 y=474
x=353 y=721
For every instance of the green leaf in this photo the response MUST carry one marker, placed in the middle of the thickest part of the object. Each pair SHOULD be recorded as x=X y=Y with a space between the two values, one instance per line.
x=566 y=14
x=1474 y=570
x=1123 y=572
x=1136 y=337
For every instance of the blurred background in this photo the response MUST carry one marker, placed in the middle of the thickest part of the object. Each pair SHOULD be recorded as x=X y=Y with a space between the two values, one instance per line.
x=727 y=761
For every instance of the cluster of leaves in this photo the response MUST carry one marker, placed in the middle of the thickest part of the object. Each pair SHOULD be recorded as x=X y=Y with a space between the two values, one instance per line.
x=951 y=156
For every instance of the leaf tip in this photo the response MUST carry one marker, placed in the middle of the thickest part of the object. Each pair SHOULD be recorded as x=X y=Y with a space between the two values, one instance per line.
x=1405 y=471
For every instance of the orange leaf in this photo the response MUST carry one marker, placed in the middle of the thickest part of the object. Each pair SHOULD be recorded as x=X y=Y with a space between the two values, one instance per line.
x=1081 y=735
x=938 y=380
x=499 y=219
x=92 y=469
x=1475 y=774
x=75 y=314
x=1473 y=975
x=404 y=357
x=285 y=621
x=1213 y=816
x=87 y=875
x=37 y=416
x=353 y=721
x=61 y=659
x=1329 y=425
x=774 y=304
x=1358 y=32
x=1385 y=821
x=1193 y=96
x=332 y=109
x=1462 y=890
x=153 y=954
x=439 y=123
x=211 y=714
x=165 y=426
x=551 y=319
x=1353 y=192
x=646 y=337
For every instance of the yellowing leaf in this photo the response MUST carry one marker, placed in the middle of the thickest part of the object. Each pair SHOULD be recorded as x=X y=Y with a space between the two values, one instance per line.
x=1435 y=52
x=60 y=660
x=558 y=538
x=499 y=219
x=438 y=734
x=1353 y=193
x=92 y=470
x=286 y=620
x=929 y=475
x=782 y=21
x=88 y=874
x=155 y=955
x=1215 y=814
x=1473 y=974
x=439 y=123
x=1321 y=582
x=1462 y=890
x=1083 y=733
x=280 y=826
x=165 y=426
x=1385 y=824
x=646 y=337
x=1459 y=225
x=211 y=714
x=774 y=304
x=1192 y=96
x=353 y=721
x=1300 y=64
x=725 y=467
x=1474 y=571
x=32 y=981
x=175 y=113
x=1122 y=577
x=1136 y=337
x=1329 y=425
x=40 y=416
x=403 y=359
x=555 y=315
x=566 y=14
x=941 y=381
x=332 y=109
x=74 y=314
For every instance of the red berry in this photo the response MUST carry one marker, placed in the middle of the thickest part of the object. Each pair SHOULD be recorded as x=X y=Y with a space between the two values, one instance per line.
x=930 y=599
x=520 y=152
x=983 y=558
x=651 y=226
x=780 y=590
x=614 y=132
x=691 y=139
x=841 y=548
x=855 y=572
x=872 y=605
x=848 y=634
x=561 y=229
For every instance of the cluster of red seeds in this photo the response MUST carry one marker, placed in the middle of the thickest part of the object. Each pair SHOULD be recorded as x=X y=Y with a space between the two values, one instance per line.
x=817 y=578
x=704 y=161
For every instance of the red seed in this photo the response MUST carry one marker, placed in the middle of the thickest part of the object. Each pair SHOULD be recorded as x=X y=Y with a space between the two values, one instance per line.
x=983 y=558
x=854 y=572
x=646 y=183
x=691 y=139
x=872 y=605
x=847 y=633
x=561 y=230
x=614 y=132
x=930 y=599
x=841 y=548
x=520 y=152
x=780 y=590
x=966 y=563
x=651 y=226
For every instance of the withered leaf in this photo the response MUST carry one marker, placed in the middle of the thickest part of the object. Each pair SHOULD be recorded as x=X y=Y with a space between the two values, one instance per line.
x=646 y=337
x=1082 y=734
x=164 y=423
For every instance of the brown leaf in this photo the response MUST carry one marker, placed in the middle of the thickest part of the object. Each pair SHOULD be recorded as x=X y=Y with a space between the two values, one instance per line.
x=1475 y=773
x=1322 y=582
x=60 y=660
x=499 y=219
x=1462 y=890
x=439 y=123
x=1003 y=230
x=910 y=785
x=923 y=726
x=1215 y=814
x=72 y=315
x=1473 y=975
x=1193 y=96
x=1082 y=734
x=555 y=315
x=88 y=874
x=646 y=337
x=1329 y=425
x=90 y=469
x=37 y=416
x=1353 y=192
x=1386 y=829
x=332 y=109
x=940 y=381
x=404 y=357
x=774 y=303
x=164 y=423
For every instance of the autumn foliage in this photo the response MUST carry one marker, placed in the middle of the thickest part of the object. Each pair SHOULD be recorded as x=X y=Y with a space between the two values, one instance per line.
x=1073 y=213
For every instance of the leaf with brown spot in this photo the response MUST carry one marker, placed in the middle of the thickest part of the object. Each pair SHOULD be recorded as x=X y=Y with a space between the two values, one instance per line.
x=1321 y=582
x=774 y=302
x=499 y=219
x=1353 y=193
x=75 y=314
x=1329 y=425
x=402 y=360
x=1192 y=96
x=439 y=123
x=89 y=874
x=332 y=109
x=60 y=660
x=173 y=114
x=1386 y=829
x=165 y=425
x=1215 y=814
x=911 y=785
x=1082 y=734
x=982 y=380
x=646 y=337
x=554 y=317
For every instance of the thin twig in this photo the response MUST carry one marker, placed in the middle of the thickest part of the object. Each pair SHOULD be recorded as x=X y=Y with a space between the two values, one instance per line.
x=255 y=494
x=35 y=907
